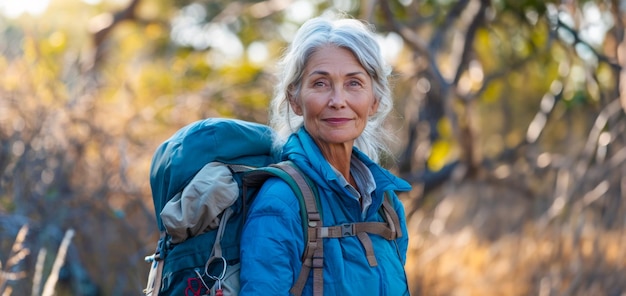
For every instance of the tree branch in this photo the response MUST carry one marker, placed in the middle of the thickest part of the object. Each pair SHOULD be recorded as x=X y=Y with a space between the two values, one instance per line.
x=100 y=36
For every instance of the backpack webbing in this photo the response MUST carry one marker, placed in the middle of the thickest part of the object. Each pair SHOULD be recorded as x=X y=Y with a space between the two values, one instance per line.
x=313 y=257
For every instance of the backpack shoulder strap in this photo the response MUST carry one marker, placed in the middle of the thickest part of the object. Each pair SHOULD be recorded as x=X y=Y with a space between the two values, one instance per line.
x=313 y=229
x=391 y=216
x=306 y=192
x=301 y=185
x=313 y=257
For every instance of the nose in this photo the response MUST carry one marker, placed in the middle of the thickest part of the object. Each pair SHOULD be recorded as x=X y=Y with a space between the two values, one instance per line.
x=337 y=99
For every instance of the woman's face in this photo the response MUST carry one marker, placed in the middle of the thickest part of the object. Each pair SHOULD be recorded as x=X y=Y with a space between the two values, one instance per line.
x=336 y=97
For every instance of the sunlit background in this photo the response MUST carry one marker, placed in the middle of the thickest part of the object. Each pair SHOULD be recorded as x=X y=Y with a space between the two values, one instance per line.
x=509 y=119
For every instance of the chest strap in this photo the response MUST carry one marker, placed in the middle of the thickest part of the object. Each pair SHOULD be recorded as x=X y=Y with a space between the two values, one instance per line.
x=388 y=230
x=313 y=257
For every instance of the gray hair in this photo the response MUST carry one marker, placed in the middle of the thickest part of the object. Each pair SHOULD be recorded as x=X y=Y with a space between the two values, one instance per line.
x=350 y=34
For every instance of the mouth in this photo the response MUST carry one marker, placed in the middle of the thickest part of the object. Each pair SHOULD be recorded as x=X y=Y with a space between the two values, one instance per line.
x=337 y=120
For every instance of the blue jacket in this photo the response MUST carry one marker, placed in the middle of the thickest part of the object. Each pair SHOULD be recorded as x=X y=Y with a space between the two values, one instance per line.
x=272 y=241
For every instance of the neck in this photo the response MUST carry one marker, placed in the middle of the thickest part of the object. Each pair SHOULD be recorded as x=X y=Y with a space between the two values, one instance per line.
x=339 y=157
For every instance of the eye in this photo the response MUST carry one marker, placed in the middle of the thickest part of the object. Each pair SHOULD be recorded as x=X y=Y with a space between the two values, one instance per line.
x=319 y=83
x=355 y=83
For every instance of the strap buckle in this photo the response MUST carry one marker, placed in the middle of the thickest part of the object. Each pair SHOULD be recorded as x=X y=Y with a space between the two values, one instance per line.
x=347 y=229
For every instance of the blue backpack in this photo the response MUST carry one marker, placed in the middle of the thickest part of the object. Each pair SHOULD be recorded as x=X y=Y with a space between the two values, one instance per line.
x=197 y=185
x=203 y=178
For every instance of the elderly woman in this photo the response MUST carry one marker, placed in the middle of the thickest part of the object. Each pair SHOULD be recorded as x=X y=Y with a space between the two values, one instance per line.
x=331 y=100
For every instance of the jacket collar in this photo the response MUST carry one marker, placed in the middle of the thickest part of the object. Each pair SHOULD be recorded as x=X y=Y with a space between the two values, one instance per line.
x=302 y=150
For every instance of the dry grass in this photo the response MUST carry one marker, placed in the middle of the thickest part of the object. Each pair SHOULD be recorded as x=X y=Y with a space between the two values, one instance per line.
x=10 y=270
x=14 y=269
x=535 y=262
x=472 y=248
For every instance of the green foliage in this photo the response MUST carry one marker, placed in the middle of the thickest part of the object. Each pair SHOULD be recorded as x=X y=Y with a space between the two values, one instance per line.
x=80 y=117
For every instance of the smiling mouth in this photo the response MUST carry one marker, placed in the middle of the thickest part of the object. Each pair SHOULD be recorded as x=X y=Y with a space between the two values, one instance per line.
x=337 y=120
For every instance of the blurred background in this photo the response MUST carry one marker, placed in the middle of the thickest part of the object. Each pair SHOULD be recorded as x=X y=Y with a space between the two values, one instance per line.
x=510 y=124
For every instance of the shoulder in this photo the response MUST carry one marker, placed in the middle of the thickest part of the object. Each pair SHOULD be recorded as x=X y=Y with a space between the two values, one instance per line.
x=275 y=197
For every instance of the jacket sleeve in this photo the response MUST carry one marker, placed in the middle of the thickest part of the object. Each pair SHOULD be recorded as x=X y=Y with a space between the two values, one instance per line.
x=271 y=241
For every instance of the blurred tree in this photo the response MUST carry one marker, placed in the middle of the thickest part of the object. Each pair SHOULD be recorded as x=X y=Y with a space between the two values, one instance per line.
x=518 y=100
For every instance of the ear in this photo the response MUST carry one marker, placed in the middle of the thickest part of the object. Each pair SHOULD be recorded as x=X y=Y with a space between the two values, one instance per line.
x=295 y=105
x=374 y=107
